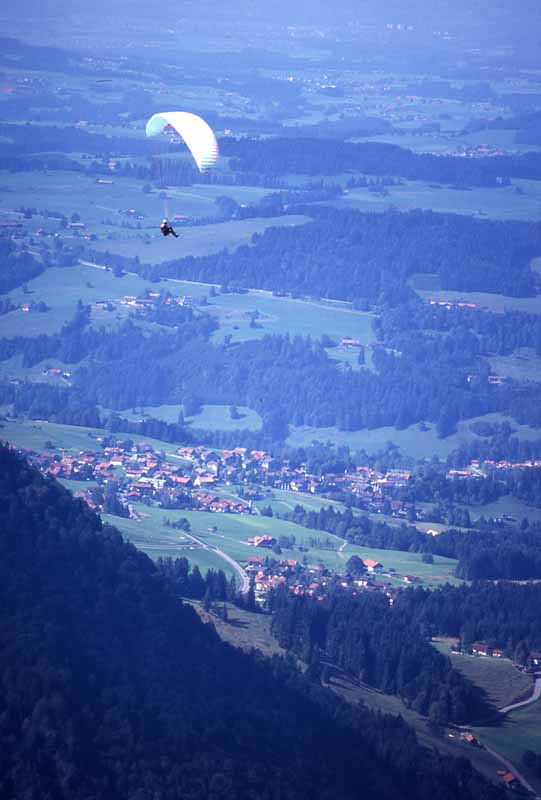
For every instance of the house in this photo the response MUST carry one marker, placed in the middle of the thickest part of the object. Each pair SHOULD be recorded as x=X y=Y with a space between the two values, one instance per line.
x=262 y=541
x=509 y=779
x=535 y=660
x=497 y=653
x=372 y=566
x=479 y=649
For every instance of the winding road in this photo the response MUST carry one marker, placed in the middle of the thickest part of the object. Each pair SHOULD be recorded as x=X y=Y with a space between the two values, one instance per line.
x=536 y=694
x=241 y=573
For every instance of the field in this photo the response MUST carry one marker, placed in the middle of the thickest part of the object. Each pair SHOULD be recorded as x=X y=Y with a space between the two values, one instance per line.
x=34 y=434
x=519 y=731
x=212 y=417
x=61 y=288
x=522 y=365
x=498 y=303
x=279 y=315
x=125 y=220
x=506 y=506
x=413 y=442
x=494 y=203
x=503 y=683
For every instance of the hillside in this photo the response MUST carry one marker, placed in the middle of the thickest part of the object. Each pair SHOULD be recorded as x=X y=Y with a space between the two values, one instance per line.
x=111 y=687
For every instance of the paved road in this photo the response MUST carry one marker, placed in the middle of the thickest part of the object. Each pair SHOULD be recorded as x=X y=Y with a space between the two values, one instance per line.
x=536 y=694
x=242 y=574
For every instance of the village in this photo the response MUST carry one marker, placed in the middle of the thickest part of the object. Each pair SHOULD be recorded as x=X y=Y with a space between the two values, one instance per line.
x=196 y=477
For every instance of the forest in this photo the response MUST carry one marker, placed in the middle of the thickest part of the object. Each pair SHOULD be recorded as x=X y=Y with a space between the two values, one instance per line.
x=503 y=614
x=113 y=687
x=368 y=257
x=379 y=645
x=304 y=156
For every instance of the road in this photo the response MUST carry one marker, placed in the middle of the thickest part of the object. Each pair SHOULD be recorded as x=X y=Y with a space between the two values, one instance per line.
x=536 y=694
x=242 y=574
x=510 y=768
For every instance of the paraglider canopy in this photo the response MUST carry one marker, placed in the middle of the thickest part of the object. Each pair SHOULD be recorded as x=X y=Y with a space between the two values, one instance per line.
x=197 y=134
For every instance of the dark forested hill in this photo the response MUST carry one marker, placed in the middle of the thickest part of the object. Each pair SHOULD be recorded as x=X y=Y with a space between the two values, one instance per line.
x=352 y=255
x=110 y=687
x=304 y=156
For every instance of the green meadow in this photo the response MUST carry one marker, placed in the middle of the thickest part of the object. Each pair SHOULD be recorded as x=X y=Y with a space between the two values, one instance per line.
x=503 y=683
x=34 y=434
x=497 y=303
x=521 y=200
x=522 y=365
x=279 y=315
x=519 y=731
x=412 y=442
x=211 y=417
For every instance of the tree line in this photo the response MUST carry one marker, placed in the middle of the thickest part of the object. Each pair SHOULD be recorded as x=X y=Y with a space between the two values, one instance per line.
x=377 y=644
x=311 y=156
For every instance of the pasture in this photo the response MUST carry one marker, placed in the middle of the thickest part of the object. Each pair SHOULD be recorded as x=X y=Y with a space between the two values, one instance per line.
x=234 y=530
x=522 y=365
x=519 y=731
x=503 y=683
x=521 y=200
x=125 y=220
x=279 y=315
x=62 y=287
x=412 y=442
x=497 y=303
x=211 y=417
x=34 y=435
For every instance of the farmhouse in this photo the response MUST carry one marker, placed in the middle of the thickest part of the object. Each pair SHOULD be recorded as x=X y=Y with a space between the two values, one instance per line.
x=262 y=541
x=372 y=566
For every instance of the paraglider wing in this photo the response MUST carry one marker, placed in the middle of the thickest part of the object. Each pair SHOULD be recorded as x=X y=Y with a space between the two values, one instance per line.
x=197 y=134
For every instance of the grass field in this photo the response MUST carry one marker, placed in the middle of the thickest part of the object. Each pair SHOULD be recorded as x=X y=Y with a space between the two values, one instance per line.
x=506 y=506
x=412 y=442
x=494 y=203
x=498 y=303
x=522 y=365
x=287 y=315
x=234 y=530
x=212 y=417
x=125 y=220
x=503 y=683
x=61 y=288
x=195 y=241
x=33 y=434
x=519 y=731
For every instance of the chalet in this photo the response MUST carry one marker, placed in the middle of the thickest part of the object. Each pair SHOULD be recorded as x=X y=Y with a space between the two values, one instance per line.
x=479 y=649
x=497 y=653
x=262 y=541
x=372 y=566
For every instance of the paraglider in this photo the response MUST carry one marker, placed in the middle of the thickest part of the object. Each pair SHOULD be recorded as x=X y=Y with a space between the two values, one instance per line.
x=199 y=138
x=166 y=229
x=197 y=134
